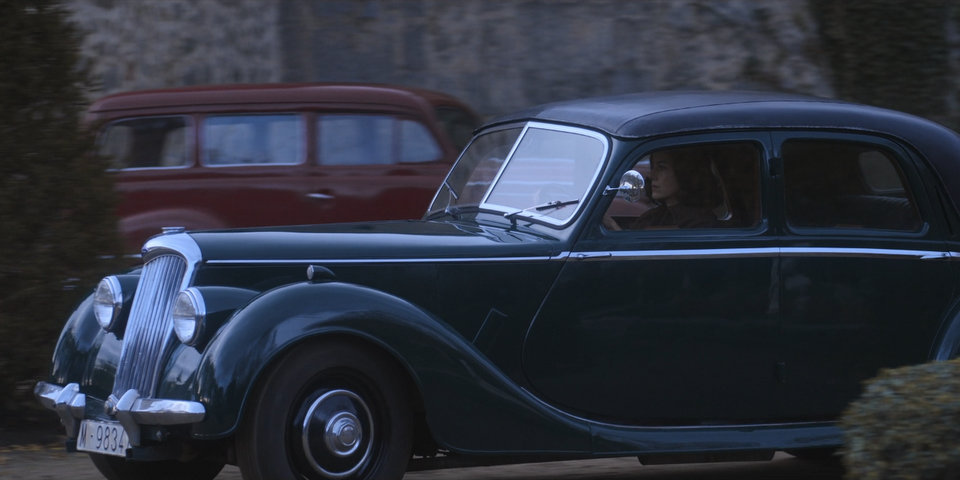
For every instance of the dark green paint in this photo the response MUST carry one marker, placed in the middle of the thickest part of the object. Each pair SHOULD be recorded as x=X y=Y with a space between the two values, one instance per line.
x=476 y=396
x=515 y=350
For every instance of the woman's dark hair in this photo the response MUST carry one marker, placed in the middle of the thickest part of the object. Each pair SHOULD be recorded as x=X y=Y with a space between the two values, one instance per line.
x=695 y=178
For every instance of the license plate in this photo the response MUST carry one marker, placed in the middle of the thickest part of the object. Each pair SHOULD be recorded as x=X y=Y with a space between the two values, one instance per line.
x=107 y=438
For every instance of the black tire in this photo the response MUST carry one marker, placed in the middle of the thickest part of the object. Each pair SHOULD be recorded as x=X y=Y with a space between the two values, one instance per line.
x=330 y=410
x=116 y=468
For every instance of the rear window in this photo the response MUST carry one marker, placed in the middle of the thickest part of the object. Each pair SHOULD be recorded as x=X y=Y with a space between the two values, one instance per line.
x=836 y=184
x=374 y=140
x=147 y=142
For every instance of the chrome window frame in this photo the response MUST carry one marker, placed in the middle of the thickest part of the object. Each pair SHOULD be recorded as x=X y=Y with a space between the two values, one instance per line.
x=585 y=195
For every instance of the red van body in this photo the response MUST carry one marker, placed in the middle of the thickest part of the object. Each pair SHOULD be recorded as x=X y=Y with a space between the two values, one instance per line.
x=276 y=154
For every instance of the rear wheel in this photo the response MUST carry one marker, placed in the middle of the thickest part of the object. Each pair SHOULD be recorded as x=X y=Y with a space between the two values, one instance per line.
x=116 y=468
x=328 y=411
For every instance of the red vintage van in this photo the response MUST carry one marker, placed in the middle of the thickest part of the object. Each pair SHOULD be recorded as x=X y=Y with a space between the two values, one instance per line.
x=276 y=154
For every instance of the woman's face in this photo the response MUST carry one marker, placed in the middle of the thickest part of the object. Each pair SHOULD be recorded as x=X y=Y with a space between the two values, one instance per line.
x=663 y=181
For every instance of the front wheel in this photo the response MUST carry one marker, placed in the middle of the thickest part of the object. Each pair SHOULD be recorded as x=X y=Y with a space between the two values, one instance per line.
x=328 y=411
x=116 y=468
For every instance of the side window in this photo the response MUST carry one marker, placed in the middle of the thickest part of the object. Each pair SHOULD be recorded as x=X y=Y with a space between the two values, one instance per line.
x=835 y=184
x=149 y=142
x=253 y=140
x=355 y=139
x=693 y=187
x=417 y=145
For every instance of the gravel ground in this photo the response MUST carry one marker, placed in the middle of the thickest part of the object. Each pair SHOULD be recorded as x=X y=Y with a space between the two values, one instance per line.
x=33 y=462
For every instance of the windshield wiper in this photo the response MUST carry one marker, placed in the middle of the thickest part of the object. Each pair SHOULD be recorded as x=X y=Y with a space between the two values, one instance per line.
x=556 y=204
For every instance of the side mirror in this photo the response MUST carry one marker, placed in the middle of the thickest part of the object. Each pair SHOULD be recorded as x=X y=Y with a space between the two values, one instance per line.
x=631 y=187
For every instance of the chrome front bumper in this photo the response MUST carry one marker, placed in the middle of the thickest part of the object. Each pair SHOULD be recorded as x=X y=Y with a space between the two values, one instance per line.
x=130 y=409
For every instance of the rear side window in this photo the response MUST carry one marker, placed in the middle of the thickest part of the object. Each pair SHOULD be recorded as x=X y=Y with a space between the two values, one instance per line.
x=276 y=139
x=835 y=184
x=148 y=142
x=374 y=140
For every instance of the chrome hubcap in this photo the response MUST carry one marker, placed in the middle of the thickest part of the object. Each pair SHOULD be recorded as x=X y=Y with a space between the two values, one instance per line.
x=337 y=434
x=343 y=434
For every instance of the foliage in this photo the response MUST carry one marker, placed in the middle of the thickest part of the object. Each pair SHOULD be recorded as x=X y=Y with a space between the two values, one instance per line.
x=904 y=426
x=56 y=201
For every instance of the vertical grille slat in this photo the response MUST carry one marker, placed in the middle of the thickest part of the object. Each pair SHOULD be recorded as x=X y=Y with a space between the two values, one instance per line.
x=149 y=328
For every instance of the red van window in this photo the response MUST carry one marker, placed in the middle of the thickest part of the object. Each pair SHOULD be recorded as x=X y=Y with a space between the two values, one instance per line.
x=374 y=140
x=276 y=139
x=146 y=142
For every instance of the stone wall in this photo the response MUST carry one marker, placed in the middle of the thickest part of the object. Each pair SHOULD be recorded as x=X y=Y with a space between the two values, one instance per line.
x=510 y=53
x=133 y=45
x=498 y=55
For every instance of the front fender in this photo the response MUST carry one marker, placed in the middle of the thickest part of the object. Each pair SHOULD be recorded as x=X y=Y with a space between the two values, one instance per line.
x=85 y=354
x=471 y=406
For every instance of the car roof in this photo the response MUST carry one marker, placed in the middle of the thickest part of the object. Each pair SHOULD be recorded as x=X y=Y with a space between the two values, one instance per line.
x=652 y=114
x=212 y=96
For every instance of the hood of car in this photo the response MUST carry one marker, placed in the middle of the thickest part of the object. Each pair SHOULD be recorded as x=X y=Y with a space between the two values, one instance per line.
x=392 y=240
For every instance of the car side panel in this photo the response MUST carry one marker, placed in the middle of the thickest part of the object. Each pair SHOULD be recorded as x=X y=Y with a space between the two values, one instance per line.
x=471 y=406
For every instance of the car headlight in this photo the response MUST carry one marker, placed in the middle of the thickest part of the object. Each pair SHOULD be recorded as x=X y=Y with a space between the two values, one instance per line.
x=188 y=314
x=107 y=303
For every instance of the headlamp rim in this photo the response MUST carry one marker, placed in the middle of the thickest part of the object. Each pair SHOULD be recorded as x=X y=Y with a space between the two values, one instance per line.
x=198 y=316
x=116 y=293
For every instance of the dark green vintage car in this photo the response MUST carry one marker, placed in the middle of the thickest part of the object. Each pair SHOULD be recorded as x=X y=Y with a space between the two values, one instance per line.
x=671 y=276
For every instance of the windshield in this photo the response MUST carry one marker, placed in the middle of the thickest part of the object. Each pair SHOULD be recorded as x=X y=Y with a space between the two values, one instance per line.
x=540 y=172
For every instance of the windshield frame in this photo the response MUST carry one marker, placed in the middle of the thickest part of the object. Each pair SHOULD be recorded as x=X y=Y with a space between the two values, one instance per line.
x=529 y=213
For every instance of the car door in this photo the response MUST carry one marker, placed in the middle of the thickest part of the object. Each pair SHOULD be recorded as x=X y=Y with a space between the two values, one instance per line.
x=865 y=282
x=665 y=324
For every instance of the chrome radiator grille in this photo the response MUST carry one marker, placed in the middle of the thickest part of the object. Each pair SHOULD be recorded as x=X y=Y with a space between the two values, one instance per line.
x=149 y=330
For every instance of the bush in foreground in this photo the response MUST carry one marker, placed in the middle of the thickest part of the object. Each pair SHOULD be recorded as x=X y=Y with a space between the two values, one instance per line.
x=906 y=425
x=56 y=201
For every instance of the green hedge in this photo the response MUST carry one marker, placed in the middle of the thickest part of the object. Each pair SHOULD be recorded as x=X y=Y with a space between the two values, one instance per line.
x=57 y=205
x=906 y=425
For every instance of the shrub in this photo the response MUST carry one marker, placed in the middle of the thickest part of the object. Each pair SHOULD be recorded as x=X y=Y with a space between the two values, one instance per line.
x=906 y=425
x=56 y=201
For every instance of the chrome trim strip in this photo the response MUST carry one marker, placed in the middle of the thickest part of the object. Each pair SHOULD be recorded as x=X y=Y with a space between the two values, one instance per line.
x=609 y=255
x=758 y=252
x=342 y=261
x=604 y=256
x=860 y=252
x=796 y=252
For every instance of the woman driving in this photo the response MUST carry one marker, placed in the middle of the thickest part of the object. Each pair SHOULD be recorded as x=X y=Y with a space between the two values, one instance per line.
x=684 y=191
